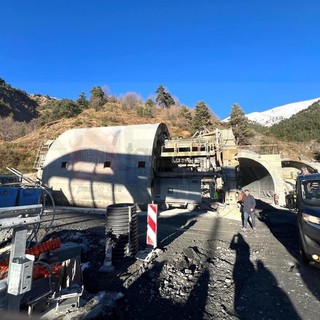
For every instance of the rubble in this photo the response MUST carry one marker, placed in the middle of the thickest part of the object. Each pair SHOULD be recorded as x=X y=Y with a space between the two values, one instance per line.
x=209 y=271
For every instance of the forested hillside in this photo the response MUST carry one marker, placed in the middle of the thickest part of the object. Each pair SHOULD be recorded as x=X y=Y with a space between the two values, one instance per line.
x=54 y=116
x=27 y=120
x=303 y=126
x=16 y=103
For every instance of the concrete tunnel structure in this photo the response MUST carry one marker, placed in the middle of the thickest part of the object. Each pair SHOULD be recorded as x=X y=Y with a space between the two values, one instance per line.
x=261 y=174
x=267 y=174
x=95 y=167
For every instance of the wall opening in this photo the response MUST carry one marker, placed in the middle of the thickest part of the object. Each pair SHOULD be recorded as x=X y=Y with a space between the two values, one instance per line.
x=107 y=164
x=64 y=164
x=141 y=164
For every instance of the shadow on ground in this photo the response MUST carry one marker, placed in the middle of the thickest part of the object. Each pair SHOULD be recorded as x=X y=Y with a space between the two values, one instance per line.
x=257 y=293
x=283 y=225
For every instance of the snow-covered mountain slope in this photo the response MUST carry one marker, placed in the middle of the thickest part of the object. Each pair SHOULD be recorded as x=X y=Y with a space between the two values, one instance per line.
x=275 y=115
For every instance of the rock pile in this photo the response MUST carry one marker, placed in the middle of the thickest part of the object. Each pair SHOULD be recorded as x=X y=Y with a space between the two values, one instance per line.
x=191 y=285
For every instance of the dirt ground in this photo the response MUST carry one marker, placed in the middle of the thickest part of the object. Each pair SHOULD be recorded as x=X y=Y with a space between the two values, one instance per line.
x=205 y=267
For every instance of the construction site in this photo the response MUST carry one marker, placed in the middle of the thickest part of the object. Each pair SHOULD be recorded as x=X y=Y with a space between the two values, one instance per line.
x=119 y=171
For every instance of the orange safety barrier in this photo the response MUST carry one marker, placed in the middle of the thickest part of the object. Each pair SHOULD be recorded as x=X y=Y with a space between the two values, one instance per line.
x=39 y=271
x=44 y=246
x=4 y=268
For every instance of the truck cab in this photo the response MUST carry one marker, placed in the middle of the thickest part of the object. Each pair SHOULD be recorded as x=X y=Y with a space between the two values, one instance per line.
x=308 y=206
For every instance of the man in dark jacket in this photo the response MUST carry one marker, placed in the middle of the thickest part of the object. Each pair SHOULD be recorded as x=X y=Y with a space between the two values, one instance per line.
x=249 y=205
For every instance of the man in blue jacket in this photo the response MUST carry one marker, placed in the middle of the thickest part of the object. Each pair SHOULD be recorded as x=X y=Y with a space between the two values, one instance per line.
x=249 y=205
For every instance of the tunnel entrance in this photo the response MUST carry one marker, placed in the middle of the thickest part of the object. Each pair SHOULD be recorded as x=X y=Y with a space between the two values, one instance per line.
x=254 y=176
x=297 y=165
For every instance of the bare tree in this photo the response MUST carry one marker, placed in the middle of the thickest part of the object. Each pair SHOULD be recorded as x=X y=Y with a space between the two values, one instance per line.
x=131 y=100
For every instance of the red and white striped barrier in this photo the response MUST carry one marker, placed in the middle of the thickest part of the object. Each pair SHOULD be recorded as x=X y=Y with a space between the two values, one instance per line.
x=152 y=225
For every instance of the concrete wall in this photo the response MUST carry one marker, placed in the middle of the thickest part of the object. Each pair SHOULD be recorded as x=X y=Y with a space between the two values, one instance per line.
x=95 y=167
x=262 y=174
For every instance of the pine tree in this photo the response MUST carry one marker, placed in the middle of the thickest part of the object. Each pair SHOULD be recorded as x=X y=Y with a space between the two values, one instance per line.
x=82 y=101
x=66 y=108
x=184 y=119
x=164 y=98
x=202 y=117
x=240 y=125
x=149 y=102
x=97 y=99
x=186 y=115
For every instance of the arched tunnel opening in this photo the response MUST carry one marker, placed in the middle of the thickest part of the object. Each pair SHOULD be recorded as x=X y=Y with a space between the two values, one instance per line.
x=298 y=165
x=254 y=176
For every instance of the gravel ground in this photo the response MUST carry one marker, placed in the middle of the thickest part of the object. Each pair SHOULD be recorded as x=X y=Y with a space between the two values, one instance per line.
x=206 y=268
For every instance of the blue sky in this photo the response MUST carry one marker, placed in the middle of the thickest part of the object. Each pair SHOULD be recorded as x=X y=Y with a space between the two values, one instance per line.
x=260 y=54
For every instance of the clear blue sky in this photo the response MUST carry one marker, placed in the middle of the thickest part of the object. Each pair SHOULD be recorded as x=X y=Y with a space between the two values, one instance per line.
x=257 y=53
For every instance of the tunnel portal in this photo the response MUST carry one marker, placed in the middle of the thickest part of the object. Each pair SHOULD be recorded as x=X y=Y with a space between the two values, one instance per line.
x=254 y=176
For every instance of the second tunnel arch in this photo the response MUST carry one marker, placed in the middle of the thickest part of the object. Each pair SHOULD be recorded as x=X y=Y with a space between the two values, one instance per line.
x=266 y=174
x=261 y=174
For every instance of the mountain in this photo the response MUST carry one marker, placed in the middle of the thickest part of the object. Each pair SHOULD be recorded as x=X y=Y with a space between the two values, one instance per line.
x=303 y=126
x=16 y=103
x=275 y=115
